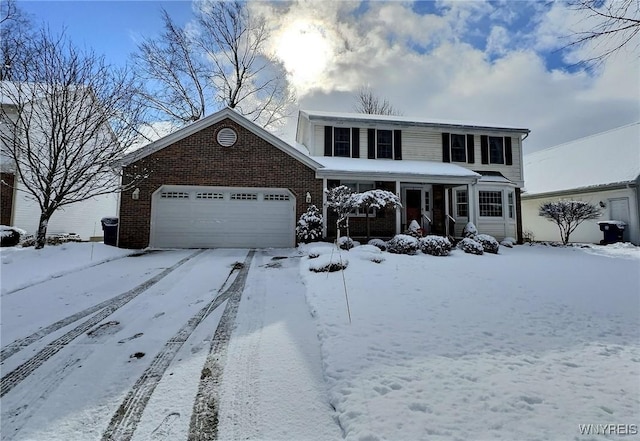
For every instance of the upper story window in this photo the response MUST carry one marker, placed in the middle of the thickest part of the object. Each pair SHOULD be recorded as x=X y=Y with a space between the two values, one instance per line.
x=496 y=150
x=342 y=141
x=457 y=148
x=384 y=145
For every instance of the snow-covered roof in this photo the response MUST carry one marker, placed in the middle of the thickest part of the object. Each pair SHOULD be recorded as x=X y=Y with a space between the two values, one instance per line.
x=407 y=121
x=341 y=166
x=604 y=159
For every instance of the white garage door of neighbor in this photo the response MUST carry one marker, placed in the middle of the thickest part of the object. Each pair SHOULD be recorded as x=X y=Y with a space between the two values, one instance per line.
x=225 y=217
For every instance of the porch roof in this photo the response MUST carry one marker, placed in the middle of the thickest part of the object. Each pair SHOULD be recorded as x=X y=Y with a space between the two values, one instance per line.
x=379 y=169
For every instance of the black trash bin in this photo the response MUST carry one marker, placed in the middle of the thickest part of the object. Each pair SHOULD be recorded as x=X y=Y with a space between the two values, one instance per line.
x=613 y=231
x=110 y=228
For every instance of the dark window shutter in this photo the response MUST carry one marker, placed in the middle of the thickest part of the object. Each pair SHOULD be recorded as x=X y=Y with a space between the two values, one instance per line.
x=328 y=141
x=397 y=144
x=446 y=152
x=471 y=157
x=508 y=152
x=484 y=148
x=355 y=142
x=371 y=143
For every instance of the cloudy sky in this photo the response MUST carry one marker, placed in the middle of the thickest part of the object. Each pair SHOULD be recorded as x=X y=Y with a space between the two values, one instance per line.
x=499 y=62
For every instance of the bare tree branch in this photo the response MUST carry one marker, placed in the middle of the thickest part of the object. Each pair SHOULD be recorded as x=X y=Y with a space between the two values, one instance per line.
x=66 y=117
x=613 y=25
x=370 y=103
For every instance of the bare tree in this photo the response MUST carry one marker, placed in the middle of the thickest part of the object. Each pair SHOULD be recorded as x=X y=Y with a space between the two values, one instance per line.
x=15 y=30
x=65 y=119
x=219 y=61
x=175 y=74
x=368 y=102
x=567 y=215
x=616 y=24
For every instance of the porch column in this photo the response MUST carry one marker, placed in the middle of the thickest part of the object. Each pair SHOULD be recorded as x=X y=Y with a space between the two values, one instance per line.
x=398 y=212
x=324 y=208
x=472 y=203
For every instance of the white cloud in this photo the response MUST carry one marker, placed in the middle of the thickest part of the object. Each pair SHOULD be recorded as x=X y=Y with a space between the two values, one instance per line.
x=421 y=63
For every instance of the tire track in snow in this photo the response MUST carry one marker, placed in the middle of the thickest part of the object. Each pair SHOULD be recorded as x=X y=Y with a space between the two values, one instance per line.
x=16 y=376
x=125 y=420
x=205 y=414
x=67 y=272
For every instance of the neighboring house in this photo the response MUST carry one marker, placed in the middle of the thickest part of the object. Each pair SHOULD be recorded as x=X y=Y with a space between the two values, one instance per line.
x=18 y=209
x=603 y=169
x=223 y=181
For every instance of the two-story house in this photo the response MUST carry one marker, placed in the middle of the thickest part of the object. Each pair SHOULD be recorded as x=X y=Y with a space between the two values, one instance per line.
x=223 y=181
x=17 y=206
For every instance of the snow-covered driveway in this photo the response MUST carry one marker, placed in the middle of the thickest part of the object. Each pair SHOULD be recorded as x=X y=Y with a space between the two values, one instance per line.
x=133 y=349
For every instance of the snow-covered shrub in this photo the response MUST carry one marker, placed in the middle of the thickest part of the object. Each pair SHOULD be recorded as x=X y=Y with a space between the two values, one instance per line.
x=489 y=243
x=435 y=245
x=309 y=227
x=345 y=243
x=314 y=252
x=402 y=244
x=470 y=246
x=368 y=252
x=328 y=263
x=414 y=230
x=469 y=230
x=372 y=249
x=379 y=243
x=508 y=242
x=10 y=236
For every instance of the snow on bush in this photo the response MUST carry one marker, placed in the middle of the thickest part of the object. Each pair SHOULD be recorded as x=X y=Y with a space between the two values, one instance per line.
x=414 y=230
x=469 y=230
x=489 y=243
x=508 y=242
x=10 y=236
x=470 y=246
x=366 y=249
x=435 y=245
x=309 y=227
x=379 y=243
x=328 y=263
x=346 y=243
x=368 y=252
x=402 y=244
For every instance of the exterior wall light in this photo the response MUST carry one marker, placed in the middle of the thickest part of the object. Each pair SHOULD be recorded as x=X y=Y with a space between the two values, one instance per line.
x=135 y=194
x=308 y=198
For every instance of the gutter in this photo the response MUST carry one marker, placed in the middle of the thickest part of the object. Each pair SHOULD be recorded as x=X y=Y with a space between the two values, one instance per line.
x=582 y=190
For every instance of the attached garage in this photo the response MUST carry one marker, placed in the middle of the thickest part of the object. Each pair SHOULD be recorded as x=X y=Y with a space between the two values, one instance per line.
x=226 y=217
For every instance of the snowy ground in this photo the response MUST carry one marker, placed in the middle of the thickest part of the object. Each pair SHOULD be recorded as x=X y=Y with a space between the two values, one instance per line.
x=524 y=345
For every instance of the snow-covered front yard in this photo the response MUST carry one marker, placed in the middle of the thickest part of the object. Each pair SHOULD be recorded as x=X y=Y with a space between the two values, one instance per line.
x=524 y=345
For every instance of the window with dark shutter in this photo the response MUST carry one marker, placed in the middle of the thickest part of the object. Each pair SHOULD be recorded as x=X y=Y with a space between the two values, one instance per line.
x=446 y=156
x=371 y=143
x=496 y=150
x=471 y=154
x=328 y=141
x=342 y=142
x=384 y=147
x=397 y=144
x=484 y=149
x=355 y=142
x=458 y=148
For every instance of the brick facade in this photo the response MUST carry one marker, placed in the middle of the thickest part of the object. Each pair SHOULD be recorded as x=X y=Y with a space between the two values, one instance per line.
x=6 y=197
x=199 y=160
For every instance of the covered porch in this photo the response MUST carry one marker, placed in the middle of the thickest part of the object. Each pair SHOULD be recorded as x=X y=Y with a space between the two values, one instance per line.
x=425 y=190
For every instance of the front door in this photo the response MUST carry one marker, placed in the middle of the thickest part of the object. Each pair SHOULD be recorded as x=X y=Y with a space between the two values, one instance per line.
x=413 y=206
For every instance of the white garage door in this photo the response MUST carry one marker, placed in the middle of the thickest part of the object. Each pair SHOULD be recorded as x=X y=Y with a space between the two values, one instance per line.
x=226 y=217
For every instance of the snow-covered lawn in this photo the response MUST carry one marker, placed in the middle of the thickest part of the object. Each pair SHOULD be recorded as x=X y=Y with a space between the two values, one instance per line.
x=524 y=345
